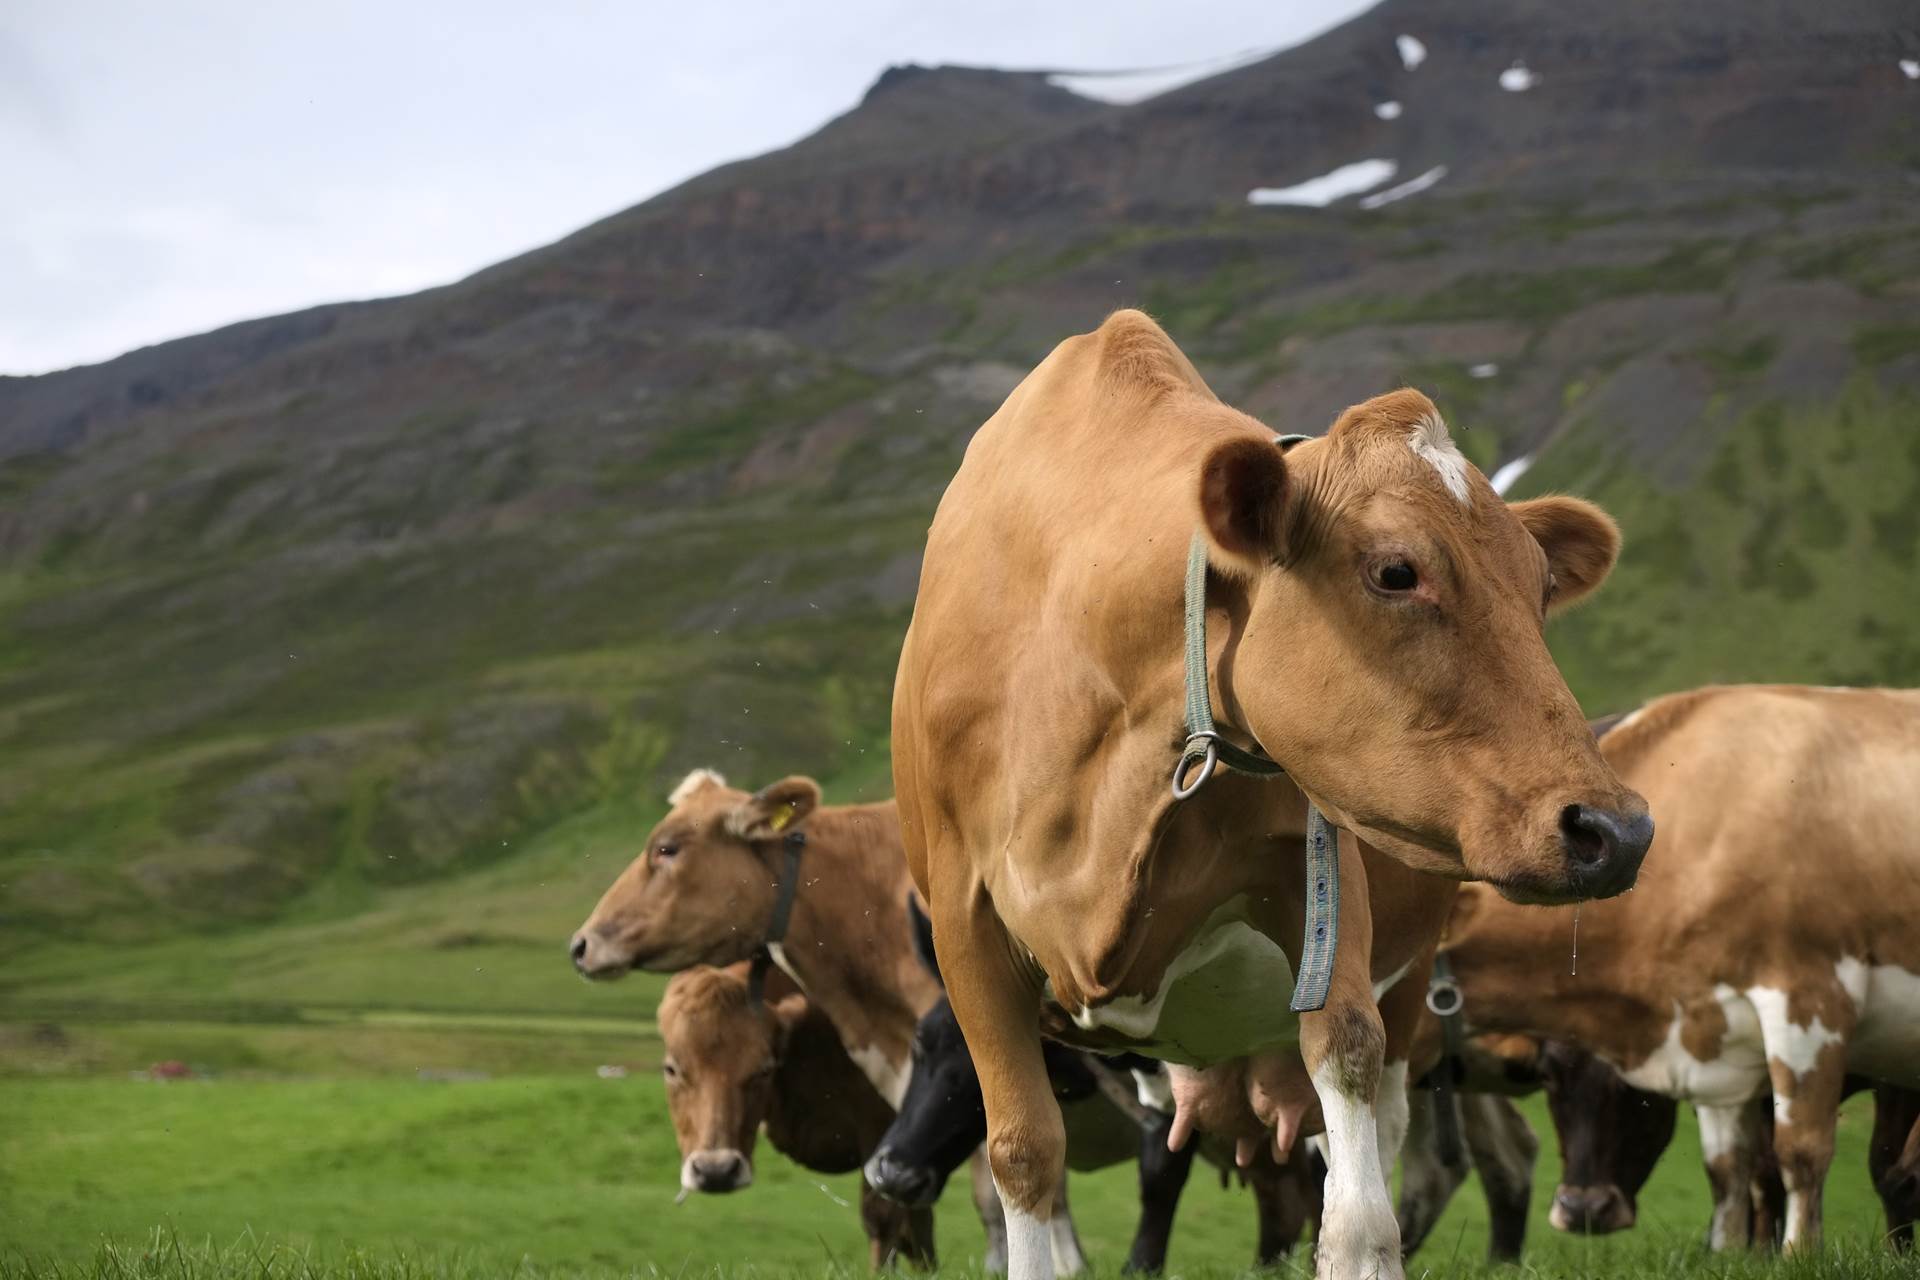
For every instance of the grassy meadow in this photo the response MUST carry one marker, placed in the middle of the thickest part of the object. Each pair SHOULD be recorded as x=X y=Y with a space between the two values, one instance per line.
x=415 y=1090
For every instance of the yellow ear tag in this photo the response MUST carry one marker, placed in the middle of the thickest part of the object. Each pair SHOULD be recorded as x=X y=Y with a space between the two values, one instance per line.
x=780 y=820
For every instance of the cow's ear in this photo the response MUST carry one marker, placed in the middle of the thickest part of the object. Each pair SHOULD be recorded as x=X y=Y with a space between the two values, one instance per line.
x=923 y=937
x=1243 y=495
x=775 y=809
x=1581 y=542
x=788 y=1012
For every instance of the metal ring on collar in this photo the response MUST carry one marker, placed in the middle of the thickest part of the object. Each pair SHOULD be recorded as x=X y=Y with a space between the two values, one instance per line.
x=1207 y=762
x=1444 y=998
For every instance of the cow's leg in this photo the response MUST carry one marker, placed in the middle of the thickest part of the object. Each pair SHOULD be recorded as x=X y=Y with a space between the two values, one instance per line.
x=993 y=1216
x=1427 y=1182
x=999 y=1013
x=1729 y=1143
x=1893 y=1160
x=1163 y=1176
x=1063 y=1241
x=1504 y=1151
x=1807 y=1060
x=1283 y=1200
x=1343 y=1047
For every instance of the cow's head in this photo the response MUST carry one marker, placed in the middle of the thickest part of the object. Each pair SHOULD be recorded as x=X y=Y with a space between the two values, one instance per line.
x=703 y=889
x=1611 y=1136
x=943 y=1117
x=1392 y=653
x=722 y=1050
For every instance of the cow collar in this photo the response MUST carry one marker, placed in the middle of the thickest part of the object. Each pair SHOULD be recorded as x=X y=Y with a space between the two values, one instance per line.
x=1444 y=1001
x=770 y=952
x=1204 y=744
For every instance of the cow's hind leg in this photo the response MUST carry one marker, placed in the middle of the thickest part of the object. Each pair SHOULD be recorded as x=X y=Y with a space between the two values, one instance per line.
x=1062 y=1240
x=1893 y=1160
x=993 y=1216
x=1163 y=1176
x=1504 y=1152
x=999 y=1014
x=1427 y=1181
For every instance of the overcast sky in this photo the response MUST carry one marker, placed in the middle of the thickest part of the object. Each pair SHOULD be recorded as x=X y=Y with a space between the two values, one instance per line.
x=169 y=168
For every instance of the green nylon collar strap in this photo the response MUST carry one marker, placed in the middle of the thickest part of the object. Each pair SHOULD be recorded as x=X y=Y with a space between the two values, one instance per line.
x=1205 y=746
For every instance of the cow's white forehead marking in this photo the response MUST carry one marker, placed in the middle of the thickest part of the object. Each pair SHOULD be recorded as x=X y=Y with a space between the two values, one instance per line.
x=693 y=782
x=1430 y=440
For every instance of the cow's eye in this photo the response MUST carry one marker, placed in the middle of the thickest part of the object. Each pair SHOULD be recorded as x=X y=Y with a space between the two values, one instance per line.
x=1395 y=576
x=665 y=851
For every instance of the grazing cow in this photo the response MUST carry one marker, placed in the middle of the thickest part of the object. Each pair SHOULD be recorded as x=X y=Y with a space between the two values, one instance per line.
x=1771 y=945
x=943 y=1121
x=705 y=891
x=1372 y=618
x=1612 y=1134
x=734 y=1063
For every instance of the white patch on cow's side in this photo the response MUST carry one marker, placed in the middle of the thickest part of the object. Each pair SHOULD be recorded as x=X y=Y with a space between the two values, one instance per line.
x=1317 y=193
x=1430 y=440
x=1736 y=1075
x=1486 y=370
x=1502 y=480
x=1517 y=79
x=695 y=781
x=1029 y=1242
x=1390 y=1112
x=1224 y=997
x=1387 y=110
x=1910 y=68
x=1885 y=1043
x=1064 y=1244
x=1411 y=187
x=1358 y=1234
x=1155 y=1090
x=1412 y=52
x=1391 y=981
x=889 y=1078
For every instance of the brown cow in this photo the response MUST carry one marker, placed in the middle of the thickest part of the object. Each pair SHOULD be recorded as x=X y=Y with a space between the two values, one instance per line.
x=704 y=889
x=1771 y=944
x=1374 y=619
x=733 y=1064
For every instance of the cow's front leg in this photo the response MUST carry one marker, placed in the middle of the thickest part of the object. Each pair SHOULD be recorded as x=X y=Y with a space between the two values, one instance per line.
x=1807 y=1060
x=999 y=1013
x=1343 y=1047
x=1730 y=1144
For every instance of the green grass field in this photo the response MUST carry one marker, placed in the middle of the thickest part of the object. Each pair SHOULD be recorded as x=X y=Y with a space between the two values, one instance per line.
x=550 y=1169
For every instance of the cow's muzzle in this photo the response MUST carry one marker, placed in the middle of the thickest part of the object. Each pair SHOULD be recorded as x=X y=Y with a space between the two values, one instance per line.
x=716 y=1170
x=913 y=1185
x=1604 y=848
x=1590 y=1211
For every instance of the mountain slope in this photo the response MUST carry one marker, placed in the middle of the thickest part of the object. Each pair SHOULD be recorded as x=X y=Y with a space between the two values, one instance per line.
x=362 y=596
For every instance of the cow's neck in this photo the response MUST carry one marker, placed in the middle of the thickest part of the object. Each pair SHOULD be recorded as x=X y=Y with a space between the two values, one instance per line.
x=1529 y=970
x=848 y=946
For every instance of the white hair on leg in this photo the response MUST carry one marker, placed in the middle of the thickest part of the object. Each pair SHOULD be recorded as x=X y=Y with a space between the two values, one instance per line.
x=1430 y=440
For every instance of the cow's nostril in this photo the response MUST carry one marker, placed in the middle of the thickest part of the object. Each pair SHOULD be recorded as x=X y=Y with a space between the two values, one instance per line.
x=579 y=949
x=1587 y=834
